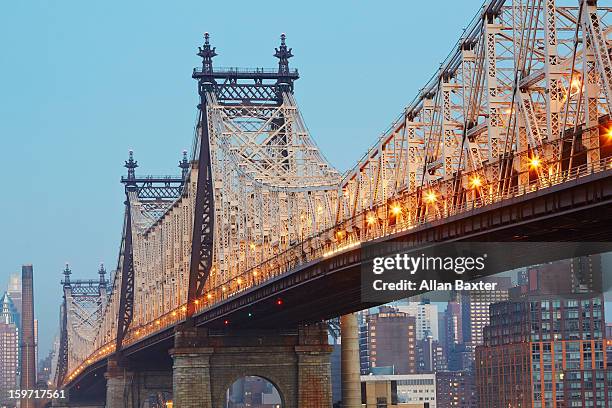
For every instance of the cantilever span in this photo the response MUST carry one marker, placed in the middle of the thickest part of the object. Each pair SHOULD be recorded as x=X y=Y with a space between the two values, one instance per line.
x=518 y=113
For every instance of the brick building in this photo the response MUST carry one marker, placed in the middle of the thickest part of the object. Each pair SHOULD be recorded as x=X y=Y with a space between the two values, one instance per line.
x=388 y=339
x=544 y=349
x=456 y=389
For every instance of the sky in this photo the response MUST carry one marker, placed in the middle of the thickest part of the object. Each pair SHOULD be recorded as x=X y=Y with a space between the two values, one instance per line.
x=81 y=83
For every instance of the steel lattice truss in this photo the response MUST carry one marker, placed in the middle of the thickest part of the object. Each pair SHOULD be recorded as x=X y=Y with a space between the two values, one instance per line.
x=261 y=205
x=522 y=102
x=512 y=90
x=81 y=314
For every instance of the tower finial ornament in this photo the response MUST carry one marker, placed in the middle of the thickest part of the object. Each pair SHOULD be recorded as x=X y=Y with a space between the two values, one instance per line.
x=283 y=54
x=207 y=53
x=67 y=272
x=102 y=273
x=131 y=165
x=184 y=165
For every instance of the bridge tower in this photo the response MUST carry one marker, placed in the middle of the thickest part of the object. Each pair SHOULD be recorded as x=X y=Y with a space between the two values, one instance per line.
x=83 y=303
x=294 y=359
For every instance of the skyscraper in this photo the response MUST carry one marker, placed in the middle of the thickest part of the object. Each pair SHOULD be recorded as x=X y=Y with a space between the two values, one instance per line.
x=456 y=389
x=452 y=326
x=14 y=291
x=426 y=316
x=388 y=339
x=546 y=349
x=28 y=345
x=475 y=309
x=9 y=350
x=431 y=356
x=546 y=352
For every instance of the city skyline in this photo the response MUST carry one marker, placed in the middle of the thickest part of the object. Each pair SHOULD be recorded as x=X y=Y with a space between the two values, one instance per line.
x=73 y=47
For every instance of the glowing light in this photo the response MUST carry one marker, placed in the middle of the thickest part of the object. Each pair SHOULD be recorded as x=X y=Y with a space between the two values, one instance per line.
x=396 y=209
x=184 y=308
x=208 y=296
x=250 y=314
x=226 y=322
x=197 y=302
x=575 y=86
x=608 y=133
x=431 y=197
x=340 y=249
x=279 y=302
x=173 y=313
x=157 y=322
x=371 y=219
x=476 y=182
x=254 y=273
x=252 y=246
x=223 y=288
x=339 y=234
x=319 y=210
x=535 y=162
x=239 y=281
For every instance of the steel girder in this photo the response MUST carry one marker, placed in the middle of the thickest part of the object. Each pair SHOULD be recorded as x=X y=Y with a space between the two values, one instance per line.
x=512 y=87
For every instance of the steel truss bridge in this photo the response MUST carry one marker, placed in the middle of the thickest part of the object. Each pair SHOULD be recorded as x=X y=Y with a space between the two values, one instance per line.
x=511 y=139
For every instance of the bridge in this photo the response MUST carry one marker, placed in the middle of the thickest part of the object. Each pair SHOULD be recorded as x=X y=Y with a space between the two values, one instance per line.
x=230 y=268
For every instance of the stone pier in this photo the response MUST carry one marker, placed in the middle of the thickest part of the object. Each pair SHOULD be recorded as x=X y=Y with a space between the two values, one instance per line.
x=296 y=362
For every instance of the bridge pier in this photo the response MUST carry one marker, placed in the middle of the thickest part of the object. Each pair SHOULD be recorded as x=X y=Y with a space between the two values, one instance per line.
x=118 y=385
x=296 y=362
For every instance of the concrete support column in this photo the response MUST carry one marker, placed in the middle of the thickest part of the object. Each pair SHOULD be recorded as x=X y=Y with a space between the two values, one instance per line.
x=118 y=386
x=351 y=383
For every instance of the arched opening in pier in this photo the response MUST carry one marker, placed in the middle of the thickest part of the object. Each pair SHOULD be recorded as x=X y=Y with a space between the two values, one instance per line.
x=253 y=392
x=158 y=400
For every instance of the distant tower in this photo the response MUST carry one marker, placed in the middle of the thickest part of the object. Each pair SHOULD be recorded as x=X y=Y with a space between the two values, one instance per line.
x=14 y=291
x=102 y=273
x=184 y=165
x=67 y=272
x=28 y=344
x=102 y=283
x=131 y=165
x=9 y=349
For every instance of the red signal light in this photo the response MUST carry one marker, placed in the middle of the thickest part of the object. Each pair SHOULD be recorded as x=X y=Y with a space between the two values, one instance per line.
x=279 y=302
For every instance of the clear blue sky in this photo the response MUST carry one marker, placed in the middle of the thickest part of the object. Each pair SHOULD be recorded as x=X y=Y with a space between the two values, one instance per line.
x=83 y=82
